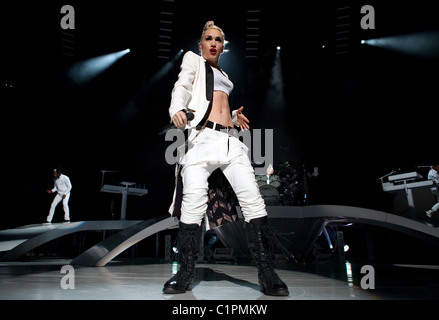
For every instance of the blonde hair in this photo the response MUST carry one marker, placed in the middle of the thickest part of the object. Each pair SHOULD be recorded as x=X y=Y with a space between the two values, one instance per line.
x=211 y=25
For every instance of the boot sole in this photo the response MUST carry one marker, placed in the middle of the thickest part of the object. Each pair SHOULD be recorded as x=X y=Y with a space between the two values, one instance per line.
x=278 y=293
x=170 y=290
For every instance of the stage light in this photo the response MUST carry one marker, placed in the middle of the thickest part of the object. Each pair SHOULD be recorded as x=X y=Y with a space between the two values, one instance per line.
x=131 y=109
x=174 y=267
x=165 y=69
x=349 y=274
x=278 y=48
x=84 y=71
x=274 y=99
x=275 y=91
x=422 y=44
x=363 y=41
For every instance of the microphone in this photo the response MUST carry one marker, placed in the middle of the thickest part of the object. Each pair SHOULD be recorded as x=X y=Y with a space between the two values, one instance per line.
x=189 y=116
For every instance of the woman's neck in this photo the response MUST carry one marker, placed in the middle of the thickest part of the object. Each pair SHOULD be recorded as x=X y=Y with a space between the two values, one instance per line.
x=212 y=63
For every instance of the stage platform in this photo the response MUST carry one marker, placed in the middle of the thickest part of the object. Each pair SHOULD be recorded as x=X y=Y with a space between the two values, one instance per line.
x=298 y=226
x=41 y=279
x=101 y=274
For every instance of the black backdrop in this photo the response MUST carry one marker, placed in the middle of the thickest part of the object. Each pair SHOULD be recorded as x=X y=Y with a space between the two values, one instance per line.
x=355 y=116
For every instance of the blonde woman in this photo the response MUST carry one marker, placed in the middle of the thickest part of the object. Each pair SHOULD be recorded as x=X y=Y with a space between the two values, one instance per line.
x=203 y=89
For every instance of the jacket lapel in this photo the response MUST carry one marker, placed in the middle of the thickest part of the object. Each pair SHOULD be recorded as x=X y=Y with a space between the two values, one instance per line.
x=209 y=82
x=209 y=92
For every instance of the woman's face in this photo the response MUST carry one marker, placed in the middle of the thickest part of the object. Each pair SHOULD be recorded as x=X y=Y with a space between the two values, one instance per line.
x=212 y=45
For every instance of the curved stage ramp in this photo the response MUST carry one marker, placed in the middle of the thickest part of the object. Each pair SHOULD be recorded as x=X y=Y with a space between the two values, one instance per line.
x=311 y=221
x=20 y=240
x=103 y=252
x=361 y=215
x=297 y=228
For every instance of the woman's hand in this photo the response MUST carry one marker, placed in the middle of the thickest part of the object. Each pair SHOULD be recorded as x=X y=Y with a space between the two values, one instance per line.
x=242 y=119
x=179 y=119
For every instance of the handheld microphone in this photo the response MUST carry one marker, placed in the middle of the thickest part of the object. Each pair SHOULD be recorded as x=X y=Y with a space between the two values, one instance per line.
x=189 y=115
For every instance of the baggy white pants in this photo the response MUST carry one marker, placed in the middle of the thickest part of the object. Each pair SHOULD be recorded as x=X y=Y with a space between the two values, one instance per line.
x=55 y=202
x=211 y=150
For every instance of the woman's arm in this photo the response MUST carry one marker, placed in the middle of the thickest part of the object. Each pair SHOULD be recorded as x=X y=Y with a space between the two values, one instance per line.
x=182 y=91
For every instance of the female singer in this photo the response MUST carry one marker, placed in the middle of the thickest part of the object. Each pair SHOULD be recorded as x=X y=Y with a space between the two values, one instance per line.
x=203 y=89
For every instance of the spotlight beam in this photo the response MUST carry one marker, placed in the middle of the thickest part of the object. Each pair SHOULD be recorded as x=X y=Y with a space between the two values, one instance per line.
x=84 y=71
x=165 y=69
x=421 y=44
x=130 y=111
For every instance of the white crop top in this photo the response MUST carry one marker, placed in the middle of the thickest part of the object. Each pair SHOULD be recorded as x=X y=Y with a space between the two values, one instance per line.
x=221 y=82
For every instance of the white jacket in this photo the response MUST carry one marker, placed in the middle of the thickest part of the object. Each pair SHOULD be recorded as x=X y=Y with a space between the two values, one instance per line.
x=193 y=91
x=62 y=185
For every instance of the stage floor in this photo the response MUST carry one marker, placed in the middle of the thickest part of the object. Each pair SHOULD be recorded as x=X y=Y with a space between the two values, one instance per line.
x=41 y=279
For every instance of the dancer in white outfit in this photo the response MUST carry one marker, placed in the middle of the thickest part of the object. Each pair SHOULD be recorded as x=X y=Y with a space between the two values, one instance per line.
x=62 y=187
x=433 y=175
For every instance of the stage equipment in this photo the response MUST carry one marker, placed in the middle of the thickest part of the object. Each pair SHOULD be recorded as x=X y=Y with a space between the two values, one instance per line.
x=125 y=188
x=343 y=29
x=166 y=23
x=407 y=182
x=293 y=189
x=252 y=37
x=270 y=195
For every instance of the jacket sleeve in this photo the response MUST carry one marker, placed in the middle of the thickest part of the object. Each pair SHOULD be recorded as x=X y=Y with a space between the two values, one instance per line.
x=434 y=177
x=182 y=91
x=69 y=185
x=235 y=117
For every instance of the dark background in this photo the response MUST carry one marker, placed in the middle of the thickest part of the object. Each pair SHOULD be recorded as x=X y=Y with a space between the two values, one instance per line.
x=355 y=116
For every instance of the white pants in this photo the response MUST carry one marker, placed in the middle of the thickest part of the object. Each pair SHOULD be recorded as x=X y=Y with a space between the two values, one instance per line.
x=435 y=192
x=55 y=202
x=211 y=150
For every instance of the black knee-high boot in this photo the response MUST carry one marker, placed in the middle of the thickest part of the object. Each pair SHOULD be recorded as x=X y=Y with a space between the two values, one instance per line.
x=261 y=244
x=188 y=244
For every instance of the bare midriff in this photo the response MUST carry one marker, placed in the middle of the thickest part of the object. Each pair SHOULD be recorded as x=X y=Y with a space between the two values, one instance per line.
x=220 y=112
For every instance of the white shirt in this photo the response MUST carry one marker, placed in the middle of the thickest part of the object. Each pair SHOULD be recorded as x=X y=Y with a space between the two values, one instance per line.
x=434 y=176
x=221 y=82
x=62 y=185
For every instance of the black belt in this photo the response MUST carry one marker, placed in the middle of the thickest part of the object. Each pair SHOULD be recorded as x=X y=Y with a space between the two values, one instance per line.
x=215 y=126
